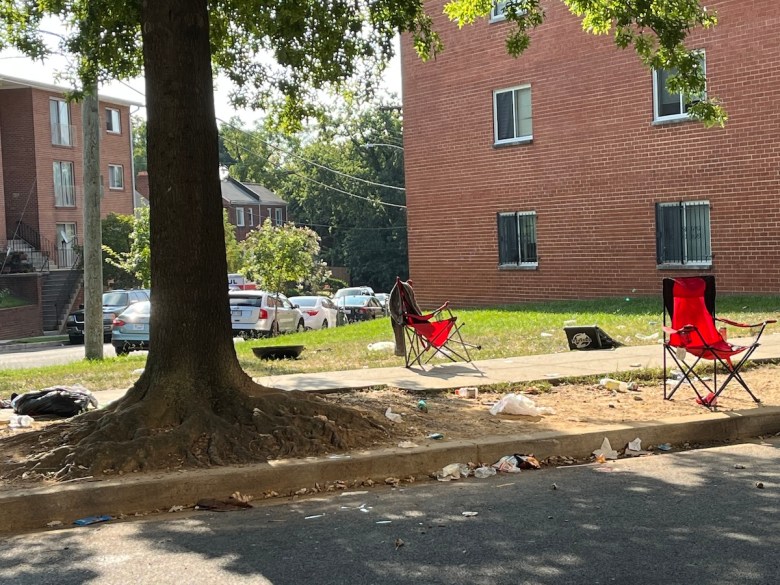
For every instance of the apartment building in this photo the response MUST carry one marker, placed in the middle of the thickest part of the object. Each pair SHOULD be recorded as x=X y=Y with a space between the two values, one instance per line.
x=41 y=169
x=572 y=172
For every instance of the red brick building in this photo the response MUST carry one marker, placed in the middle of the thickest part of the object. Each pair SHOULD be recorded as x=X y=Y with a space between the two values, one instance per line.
x=249 y=205
x=41 y=181
x=571 y=172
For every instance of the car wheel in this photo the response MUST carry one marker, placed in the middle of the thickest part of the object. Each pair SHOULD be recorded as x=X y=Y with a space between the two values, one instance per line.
x=75 y=339
x=121 y=349
x=324 y=324
x=301 y=326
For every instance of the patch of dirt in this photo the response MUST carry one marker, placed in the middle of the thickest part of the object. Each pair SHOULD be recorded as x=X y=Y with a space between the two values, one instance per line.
x=576 y=406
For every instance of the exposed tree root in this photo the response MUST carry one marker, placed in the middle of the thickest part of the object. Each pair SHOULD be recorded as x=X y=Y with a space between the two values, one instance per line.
x=142 y=433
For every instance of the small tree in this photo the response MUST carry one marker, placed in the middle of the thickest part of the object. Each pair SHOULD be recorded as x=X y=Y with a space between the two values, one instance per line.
x=273 y=256
x=117 y=229
x=135 y=261
x=232 y=249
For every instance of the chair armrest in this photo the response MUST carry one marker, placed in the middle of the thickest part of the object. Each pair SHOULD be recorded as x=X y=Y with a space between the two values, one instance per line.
x=746 y=325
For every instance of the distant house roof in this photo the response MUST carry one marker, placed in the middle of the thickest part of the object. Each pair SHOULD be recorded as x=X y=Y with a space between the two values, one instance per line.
x=266 y=196
x=238 y=193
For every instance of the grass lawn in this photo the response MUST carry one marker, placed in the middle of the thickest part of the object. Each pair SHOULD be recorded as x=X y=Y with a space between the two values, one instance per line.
x=9 y=301
x=533 y=328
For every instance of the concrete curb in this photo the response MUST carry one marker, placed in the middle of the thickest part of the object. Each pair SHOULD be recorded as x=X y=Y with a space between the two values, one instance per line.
x=32 y=509
x=14 y=347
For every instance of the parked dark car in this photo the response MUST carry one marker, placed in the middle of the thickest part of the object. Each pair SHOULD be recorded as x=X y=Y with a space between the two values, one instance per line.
x=360 y=307
x=114 y=302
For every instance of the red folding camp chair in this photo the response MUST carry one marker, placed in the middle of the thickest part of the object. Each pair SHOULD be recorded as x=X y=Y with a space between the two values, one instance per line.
x=690 y=305
x=427 y=335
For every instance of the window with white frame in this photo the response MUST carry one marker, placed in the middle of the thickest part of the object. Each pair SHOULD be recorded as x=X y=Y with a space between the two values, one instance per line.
x=113 y=121
x=250 y=216
x=683 y=233
x=498 y=11
x=512 y=115
x=517 y=239
x=673 y=106
x=239 y=216
x=64 y=185
x=59 y=114
x=278 y=216
x=116 y=177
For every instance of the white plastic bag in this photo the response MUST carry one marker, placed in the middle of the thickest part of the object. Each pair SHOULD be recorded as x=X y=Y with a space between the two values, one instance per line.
x=393 y=416
x=519 y=404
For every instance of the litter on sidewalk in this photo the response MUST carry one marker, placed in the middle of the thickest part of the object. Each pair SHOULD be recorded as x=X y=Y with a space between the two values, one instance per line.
x=519 y=404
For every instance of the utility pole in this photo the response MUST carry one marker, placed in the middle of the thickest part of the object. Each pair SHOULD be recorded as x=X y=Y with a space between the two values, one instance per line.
x=93 y=237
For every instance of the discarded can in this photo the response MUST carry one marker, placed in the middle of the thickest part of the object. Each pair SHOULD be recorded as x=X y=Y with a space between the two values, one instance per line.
x=467 y=392
x=422 y=406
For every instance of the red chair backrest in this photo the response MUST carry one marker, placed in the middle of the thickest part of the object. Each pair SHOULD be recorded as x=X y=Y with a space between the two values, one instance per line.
x=690 y=307
x=436 y=332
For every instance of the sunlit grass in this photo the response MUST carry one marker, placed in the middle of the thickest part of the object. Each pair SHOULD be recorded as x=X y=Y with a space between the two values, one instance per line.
x=534 y=328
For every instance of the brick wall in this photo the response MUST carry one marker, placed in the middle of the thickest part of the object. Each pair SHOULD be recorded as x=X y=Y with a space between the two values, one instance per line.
x=25 y=321
x=28 y=157
x=597 y=165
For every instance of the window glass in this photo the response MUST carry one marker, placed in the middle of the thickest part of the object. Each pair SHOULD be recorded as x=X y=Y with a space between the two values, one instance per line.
x=683 y=233
x=240 y=216
x=113 y=123
x=513 y=120
x=64 y=187
x=517 y=239
x=60 y=122
x=672 y=105
x=116 y=178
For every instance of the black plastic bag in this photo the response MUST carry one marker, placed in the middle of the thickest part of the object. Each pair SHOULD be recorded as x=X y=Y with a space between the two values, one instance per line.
x=62 y=401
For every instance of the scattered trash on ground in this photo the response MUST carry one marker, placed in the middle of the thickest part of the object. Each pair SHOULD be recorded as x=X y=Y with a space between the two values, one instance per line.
x=399 y=543
x=739 y=466
x=176 y=509
x=20 y=421
x=606 y=451
x=314 y=516
x=519 y=404
x=422 y=406
x=760 y=485
x=646 y=337
x=61 y=401
x=634 y=448
x=664 y=447
x=554 y=486
x=92 y=520
x=383 y=522
x=396 y=418
x=435 y=436
x=393 y=481
x=612 y=384
x=381 y=346
x=467 y=392
x=54 y=523
x=545 y=334
x=407 y=445
x=228 y=505
x=516 y=463
x=453 y=471
x=484 y=472
x=469 y=514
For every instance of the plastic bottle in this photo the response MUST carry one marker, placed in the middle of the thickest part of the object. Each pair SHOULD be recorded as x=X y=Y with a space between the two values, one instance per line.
x=611 y=384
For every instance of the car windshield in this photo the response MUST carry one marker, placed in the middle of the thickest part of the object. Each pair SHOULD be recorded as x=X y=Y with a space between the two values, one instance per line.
x=140 y=308
x=114 y=299
x=354 y=300
x=246 y=301
x=304 y=301
x=349 y=292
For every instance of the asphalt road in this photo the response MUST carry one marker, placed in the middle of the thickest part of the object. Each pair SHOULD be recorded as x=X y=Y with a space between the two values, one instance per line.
x=48 y=356
x=683 y=518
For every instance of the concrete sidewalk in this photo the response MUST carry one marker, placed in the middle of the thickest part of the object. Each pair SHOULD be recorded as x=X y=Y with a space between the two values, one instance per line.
x=33 y=509
x=483 y=372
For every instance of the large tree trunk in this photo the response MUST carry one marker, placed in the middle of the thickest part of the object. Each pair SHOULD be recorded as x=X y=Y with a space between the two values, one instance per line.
x=192 y=351
x=193 y=405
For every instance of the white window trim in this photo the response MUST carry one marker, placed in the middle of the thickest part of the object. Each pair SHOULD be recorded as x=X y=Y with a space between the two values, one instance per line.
x=68 y=126
x=111 y=186
x=278 y=216
x=239 y=217
x=517 y=139
x=683 y=115
x=109 y=116
x=495 y=15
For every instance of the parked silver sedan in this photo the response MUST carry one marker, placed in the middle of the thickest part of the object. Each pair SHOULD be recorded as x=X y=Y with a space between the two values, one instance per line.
x=130 y=329
x=256 y=313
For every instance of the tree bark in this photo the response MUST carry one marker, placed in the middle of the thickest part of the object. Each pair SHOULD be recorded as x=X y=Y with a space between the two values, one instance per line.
x=191 y=347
